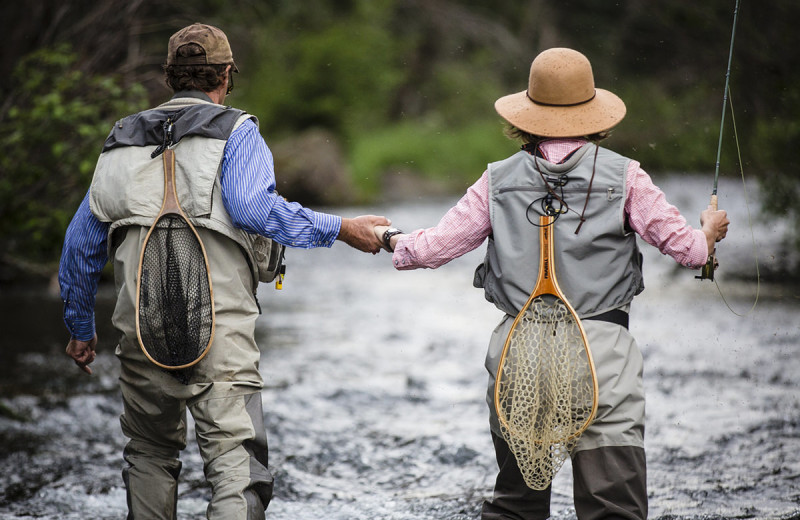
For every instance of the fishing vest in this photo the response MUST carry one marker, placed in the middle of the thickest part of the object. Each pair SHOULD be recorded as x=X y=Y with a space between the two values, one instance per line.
x=128 y=184
x=598 y=269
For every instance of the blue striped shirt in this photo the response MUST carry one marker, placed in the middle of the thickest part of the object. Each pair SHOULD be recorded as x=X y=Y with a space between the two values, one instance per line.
x=248 y=192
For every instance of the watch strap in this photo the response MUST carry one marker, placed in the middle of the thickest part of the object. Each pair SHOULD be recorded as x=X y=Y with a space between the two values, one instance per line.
x=387 y=238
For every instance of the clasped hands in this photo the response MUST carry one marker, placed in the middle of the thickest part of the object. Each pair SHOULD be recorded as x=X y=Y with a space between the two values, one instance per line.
x=365 y=233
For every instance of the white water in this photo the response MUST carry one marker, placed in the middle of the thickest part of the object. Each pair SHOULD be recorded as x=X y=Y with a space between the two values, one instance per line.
x=375 y=393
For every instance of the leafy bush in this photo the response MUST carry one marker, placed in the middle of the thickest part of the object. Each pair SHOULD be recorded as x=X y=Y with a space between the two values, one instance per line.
x=51 y=130
x=455 y=156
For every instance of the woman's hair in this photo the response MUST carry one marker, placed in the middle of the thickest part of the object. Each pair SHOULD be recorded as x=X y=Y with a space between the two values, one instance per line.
x=516 y=134
x=193 y=77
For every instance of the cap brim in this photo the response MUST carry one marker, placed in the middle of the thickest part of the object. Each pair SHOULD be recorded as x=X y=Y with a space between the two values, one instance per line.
x=601 y=113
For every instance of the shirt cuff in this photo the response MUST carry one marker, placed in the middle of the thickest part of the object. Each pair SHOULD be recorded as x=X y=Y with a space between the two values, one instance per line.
x=402 y=258
x=82 y=330
x=326 y=229
x=697 y=256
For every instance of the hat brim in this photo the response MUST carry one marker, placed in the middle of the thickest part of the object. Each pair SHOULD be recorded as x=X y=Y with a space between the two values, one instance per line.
x=603 y=112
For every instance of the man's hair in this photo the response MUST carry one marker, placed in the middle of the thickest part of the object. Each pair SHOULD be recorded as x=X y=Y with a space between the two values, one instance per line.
x=193 y=77
x=514 y=133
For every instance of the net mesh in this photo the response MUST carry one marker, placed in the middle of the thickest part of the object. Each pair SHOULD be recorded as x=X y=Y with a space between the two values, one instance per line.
x=176 y=316
x=545 y=389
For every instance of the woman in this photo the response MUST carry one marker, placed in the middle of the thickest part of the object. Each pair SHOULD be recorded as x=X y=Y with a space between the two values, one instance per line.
x=600 y=199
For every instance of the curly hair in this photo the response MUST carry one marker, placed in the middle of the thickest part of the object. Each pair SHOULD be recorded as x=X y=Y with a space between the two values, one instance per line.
x=193 y=77
x=516 y=134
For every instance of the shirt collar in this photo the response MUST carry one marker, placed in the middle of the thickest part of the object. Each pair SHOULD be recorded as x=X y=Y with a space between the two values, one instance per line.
x=196 y=94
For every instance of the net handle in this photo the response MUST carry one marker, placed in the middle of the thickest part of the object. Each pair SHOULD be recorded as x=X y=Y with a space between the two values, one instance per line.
x=546 y=283
x=170 y=206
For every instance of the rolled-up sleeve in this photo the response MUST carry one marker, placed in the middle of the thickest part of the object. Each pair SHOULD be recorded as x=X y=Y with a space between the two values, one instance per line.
x=463 y=228
x=660 y=223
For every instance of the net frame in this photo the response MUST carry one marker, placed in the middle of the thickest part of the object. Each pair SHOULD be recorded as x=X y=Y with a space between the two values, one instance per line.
x=170 y=208
x=540 y=434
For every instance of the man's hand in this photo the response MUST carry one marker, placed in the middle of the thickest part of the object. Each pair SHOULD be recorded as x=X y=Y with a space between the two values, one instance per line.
x=82 y=352
x=715 y=226
x=357 y=232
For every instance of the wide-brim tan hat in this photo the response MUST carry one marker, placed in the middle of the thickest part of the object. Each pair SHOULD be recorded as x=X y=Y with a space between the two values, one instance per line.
x=561 y=100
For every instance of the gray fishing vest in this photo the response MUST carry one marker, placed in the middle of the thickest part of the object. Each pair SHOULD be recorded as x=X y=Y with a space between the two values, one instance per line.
x=128 y=184
x=598 y=269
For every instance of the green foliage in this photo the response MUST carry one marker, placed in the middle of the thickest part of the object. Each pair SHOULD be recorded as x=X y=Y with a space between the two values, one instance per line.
x=310 y=71
x=780 y=189
x=404 y=85
x=455 y=156
x=56 y=120
x=668 y=132
x=360 y=65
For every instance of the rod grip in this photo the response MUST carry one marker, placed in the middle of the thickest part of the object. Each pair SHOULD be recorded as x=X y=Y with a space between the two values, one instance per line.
x=707 y=271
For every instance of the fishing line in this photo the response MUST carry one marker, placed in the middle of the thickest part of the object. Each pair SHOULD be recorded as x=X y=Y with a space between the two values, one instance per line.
x=749 y=222
x=708 y=270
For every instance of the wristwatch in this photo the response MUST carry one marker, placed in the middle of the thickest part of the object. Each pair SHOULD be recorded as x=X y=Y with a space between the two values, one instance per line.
x=387 y=237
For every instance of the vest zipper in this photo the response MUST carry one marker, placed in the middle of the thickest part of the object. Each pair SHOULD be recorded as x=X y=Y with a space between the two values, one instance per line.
x=608 y=191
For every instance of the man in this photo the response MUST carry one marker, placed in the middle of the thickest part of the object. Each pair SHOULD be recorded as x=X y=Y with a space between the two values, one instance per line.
x=601 y=199
x=226 y=186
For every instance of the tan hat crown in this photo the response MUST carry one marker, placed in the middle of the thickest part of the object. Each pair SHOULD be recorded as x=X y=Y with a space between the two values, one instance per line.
x=216 y=49
x=561 y=77
x=561 y=99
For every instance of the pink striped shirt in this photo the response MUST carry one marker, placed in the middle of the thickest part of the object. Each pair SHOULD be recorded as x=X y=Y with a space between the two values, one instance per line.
x=466 y=225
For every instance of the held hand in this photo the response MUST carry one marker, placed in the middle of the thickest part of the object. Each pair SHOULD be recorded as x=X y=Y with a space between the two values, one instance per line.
x=379 y=231
x=82 y=352
x=358 y=233
x=715 y=225
x=394 y=236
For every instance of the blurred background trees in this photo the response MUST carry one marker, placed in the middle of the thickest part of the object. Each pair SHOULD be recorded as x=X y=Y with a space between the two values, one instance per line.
x=389 y=98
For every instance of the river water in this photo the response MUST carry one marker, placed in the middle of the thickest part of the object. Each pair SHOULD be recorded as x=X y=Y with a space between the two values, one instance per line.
x=375 y=389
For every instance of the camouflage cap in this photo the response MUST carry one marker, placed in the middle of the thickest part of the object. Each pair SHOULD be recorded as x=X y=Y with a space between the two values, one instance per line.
x=211 y=39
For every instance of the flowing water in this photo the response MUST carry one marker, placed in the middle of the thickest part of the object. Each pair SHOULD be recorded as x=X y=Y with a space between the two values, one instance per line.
x=375 y=390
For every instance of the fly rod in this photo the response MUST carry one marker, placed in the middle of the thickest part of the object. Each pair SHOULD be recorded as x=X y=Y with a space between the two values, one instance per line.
x=707 y=272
